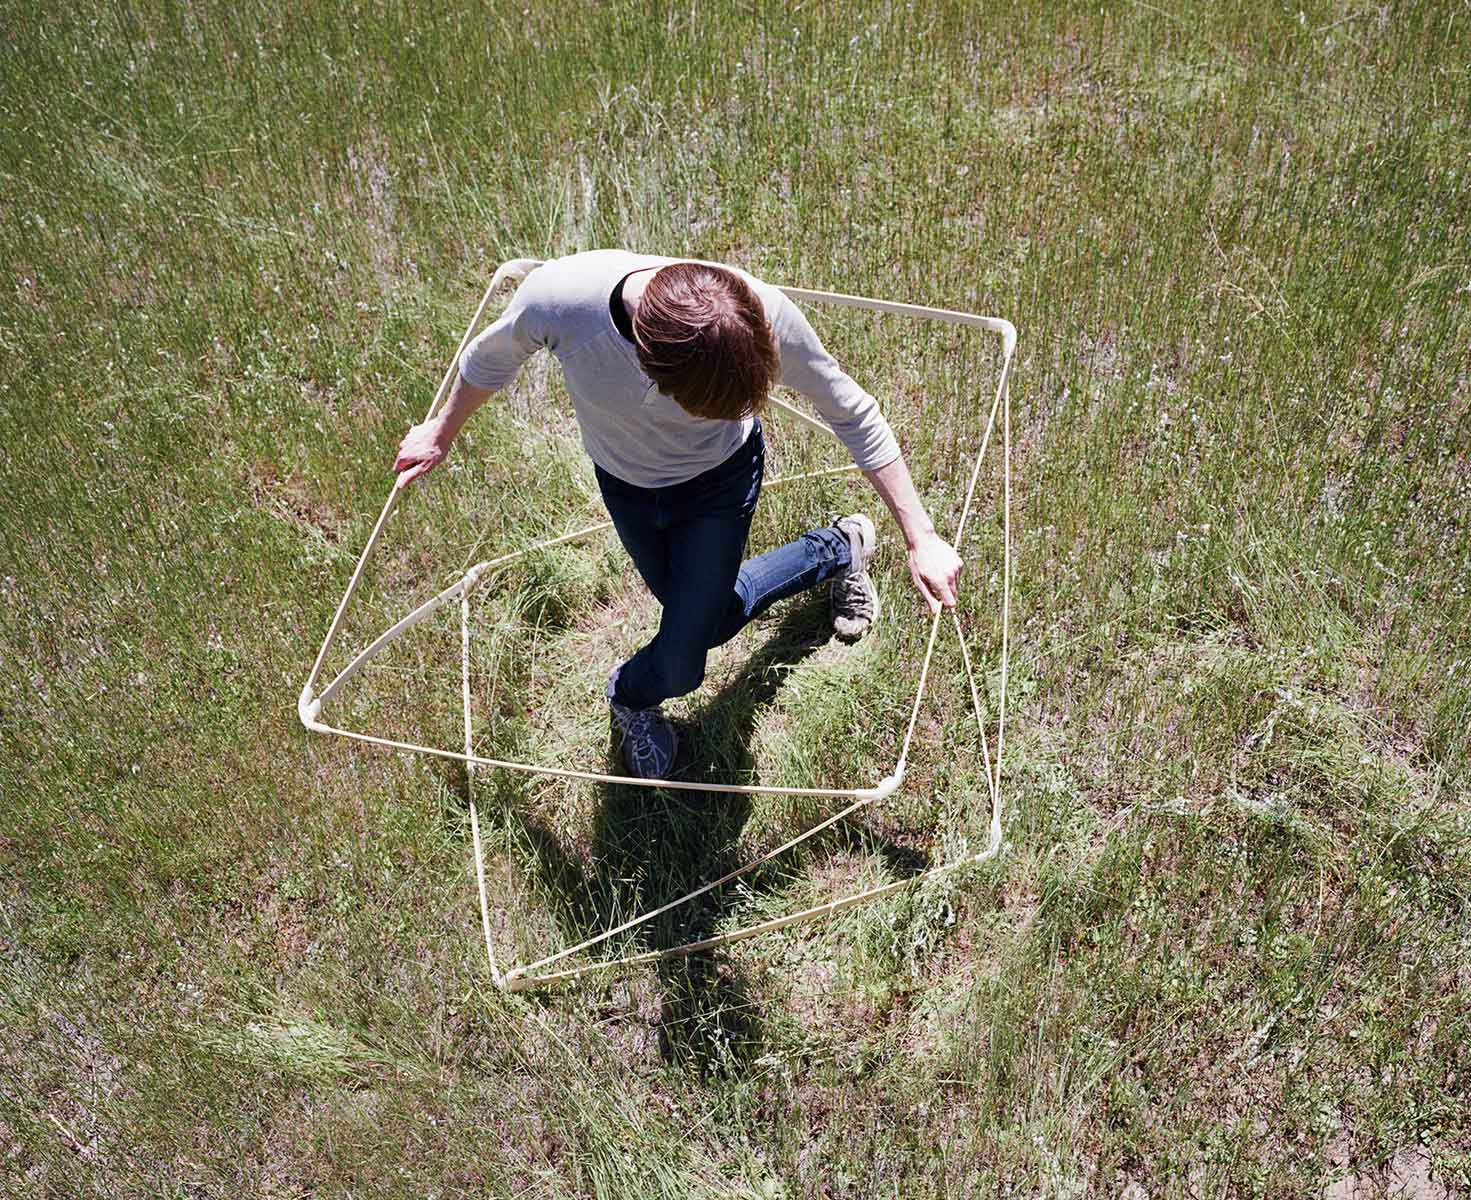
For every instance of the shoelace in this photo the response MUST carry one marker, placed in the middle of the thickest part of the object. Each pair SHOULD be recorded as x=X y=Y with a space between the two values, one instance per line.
x=853 y=595
x=640 y=723
x=640 y=742
x=637 y=724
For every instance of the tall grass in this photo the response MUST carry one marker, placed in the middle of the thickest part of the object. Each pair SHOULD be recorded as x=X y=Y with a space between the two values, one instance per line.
x=1225 y=951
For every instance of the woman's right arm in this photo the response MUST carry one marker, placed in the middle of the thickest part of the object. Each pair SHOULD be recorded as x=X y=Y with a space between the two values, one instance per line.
x=489 y=363
x=427 y=444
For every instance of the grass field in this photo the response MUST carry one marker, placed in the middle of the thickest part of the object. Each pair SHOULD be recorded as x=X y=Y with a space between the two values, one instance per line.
x=1226 y=950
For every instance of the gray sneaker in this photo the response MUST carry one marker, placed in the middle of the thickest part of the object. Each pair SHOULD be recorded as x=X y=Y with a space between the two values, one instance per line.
x=855 y=603
x=646 y=739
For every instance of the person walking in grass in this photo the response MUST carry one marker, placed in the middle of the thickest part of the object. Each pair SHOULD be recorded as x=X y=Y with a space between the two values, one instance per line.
x=669 y=362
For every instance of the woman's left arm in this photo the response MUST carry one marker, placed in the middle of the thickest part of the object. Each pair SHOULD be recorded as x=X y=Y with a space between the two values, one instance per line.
x=854 y=417
x=933 y=564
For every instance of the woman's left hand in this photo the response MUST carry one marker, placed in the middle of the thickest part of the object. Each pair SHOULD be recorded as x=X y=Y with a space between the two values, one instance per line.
x=935 y=568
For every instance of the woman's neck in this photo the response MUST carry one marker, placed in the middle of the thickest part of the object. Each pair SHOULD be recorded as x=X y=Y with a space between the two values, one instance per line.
x=634 y=284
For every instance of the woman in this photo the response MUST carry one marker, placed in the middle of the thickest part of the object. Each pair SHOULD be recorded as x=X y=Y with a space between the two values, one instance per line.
x=668 y=363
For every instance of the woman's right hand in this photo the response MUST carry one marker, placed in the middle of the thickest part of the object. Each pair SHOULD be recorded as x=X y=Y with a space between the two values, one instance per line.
x=424 y=447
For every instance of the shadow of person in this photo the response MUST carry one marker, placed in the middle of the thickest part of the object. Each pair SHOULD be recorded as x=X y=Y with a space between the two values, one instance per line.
x=653 y=847
x=648 y=848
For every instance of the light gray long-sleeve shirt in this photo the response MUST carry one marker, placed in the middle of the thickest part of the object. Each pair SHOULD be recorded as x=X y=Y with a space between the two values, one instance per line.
x=629 y=428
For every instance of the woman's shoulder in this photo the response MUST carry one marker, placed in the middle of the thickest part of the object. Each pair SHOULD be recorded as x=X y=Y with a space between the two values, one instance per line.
x=569 y=295
x=562 y=288
x=590 y=272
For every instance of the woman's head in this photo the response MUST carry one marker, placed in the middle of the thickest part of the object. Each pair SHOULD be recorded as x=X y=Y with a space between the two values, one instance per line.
x=702 y=337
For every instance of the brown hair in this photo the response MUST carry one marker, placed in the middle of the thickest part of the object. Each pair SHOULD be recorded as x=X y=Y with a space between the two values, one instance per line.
x=702 y=337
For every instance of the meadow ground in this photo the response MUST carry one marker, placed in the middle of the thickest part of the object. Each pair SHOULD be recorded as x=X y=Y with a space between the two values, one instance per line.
x=1226 y=950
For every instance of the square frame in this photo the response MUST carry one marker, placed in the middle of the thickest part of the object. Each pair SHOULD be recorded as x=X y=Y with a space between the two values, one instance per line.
x=311 y=704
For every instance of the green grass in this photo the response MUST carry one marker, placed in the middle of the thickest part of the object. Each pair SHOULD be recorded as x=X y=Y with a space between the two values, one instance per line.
x=1225 y=951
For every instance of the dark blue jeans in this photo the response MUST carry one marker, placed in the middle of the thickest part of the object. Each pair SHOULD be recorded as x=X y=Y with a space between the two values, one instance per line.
x=687 y=541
